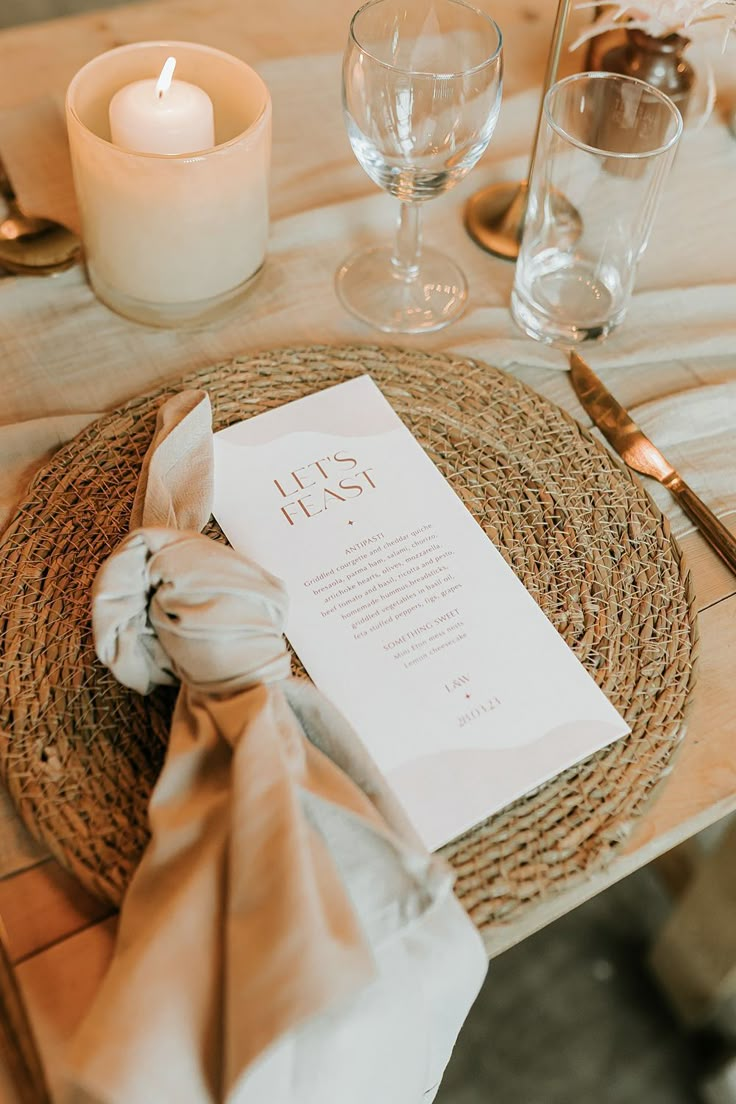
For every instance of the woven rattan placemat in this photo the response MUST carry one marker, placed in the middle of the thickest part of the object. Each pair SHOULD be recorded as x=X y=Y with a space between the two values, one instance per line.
x=80 y=754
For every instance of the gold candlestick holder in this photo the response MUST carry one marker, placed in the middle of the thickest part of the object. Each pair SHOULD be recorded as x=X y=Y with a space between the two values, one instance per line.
x=494 y=216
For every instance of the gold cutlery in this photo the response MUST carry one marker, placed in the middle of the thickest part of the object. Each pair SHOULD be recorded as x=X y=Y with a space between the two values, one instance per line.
x=635 y=448
x=33 y=246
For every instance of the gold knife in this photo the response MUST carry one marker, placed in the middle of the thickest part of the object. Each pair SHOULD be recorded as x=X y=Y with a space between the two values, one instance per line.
x=635 y=448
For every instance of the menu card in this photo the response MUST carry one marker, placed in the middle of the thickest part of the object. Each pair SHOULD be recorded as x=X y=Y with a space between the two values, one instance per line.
x=402 y=610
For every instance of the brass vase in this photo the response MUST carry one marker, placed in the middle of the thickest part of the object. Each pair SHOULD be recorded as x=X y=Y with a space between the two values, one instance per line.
x=658 y=61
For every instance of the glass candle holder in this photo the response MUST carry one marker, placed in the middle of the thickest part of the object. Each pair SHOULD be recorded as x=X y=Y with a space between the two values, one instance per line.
x=172 y=239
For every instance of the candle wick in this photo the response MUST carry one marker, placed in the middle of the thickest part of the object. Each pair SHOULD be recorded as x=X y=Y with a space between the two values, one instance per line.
x=163 y=84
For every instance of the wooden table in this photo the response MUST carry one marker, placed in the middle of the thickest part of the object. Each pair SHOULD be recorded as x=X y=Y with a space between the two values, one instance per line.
x=59 y=937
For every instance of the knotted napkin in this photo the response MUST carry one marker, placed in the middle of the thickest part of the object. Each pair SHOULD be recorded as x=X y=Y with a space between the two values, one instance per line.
x=286 y=939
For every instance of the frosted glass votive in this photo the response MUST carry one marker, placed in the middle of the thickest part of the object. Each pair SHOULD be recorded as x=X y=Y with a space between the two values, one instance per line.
x=172 y=239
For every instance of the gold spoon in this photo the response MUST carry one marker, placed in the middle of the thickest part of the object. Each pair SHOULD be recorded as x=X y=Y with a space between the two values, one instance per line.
x=33 y=246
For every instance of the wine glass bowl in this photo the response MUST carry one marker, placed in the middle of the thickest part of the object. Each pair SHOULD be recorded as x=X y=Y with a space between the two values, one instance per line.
x=421 y=96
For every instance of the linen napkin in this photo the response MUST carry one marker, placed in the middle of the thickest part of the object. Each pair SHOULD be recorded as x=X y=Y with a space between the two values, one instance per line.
x=286 y=939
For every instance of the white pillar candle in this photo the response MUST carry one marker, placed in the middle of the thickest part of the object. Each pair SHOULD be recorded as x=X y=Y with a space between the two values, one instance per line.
x=162 y=116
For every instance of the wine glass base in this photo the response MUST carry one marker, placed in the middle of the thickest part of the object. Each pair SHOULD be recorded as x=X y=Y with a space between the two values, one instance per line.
x=370 y=287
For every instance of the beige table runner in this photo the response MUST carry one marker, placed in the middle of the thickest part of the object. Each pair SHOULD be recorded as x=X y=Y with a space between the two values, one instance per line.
x=66 y=358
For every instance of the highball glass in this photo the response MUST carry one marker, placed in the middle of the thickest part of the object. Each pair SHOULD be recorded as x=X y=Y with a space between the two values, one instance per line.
x=605 y=146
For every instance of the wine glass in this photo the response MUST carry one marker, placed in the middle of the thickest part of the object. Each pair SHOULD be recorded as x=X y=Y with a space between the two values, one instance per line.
x=421 y=95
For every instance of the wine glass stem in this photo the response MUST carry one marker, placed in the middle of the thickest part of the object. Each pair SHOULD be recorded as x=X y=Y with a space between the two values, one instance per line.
x=408 y=245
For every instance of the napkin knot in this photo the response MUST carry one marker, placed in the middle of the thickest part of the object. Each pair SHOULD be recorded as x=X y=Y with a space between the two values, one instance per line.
x=176 y=606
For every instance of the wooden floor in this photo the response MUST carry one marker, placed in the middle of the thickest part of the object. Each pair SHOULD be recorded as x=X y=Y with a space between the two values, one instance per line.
x=573 y=1016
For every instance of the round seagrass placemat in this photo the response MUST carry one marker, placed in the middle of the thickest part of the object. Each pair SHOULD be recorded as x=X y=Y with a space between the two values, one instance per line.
x=80 y=754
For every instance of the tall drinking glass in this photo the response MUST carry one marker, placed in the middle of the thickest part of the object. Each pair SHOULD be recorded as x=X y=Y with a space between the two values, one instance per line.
x=421 y=96
x=606 y=145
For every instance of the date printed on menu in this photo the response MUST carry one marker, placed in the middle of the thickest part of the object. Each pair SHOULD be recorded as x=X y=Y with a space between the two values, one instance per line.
x=477 y=711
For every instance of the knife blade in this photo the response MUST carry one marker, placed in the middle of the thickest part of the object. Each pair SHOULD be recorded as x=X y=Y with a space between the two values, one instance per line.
x=641 y=454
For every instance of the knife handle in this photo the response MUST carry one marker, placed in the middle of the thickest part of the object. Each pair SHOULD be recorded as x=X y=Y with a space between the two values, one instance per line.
x=714 y=531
